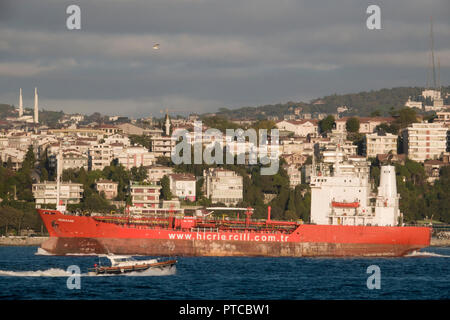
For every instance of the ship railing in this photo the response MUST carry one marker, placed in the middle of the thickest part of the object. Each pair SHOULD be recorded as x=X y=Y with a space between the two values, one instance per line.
x=204 y=229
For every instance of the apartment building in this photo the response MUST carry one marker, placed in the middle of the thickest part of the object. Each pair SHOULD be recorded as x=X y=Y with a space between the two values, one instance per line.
x=144 y=195
x=294 y=174
x=366 y=124
x=442 y=117
x=222 y=185
x=46 y=193
x=14 y=156
x=380 y=143
x=135 y=156
x=183 y=186
x=162 y=146
x=108 y=187
x=100 y=156
x=423 y=141
x=156 y=172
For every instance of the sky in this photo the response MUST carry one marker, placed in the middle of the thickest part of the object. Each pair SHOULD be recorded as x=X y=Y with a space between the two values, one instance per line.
x=213 y=54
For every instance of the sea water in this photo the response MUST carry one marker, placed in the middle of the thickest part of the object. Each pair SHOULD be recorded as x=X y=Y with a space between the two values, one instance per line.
x=30 y=273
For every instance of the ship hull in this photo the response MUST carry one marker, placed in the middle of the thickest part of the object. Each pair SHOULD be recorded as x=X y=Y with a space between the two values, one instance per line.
x=75 y=234
x=162 y=247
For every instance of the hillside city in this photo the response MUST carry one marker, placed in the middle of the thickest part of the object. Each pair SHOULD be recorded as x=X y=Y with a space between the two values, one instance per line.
x=118 y=165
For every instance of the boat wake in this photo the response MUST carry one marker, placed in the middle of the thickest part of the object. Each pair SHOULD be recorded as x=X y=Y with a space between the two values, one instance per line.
x=426 y=254
x=52 y=272
x=43 y=252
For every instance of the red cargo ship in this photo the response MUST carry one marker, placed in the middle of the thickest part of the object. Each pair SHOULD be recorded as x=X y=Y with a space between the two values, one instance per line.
x=205 y=236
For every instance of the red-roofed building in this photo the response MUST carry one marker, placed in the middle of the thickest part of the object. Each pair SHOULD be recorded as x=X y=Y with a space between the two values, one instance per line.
x=300 y=128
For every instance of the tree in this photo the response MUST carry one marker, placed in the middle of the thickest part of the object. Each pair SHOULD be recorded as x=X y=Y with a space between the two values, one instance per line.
x=166 y=194
x=406 y=116
x=44 y=174
x=327 y=124
x=352 y=125
x=375 y=113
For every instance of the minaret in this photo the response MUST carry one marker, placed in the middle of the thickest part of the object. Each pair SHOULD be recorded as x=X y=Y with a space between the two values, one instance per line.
x=167 y=124
x=36 y=106
x=20 y=103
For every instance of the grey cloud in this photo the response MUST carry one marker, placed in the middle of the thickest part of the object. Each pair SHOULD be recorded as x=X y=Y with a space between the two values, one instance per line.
x=213 y=53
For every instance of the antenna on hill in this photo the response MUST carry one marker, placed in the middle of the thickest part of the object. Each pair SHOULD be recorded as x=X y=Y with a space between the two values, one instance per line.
x=432 y=53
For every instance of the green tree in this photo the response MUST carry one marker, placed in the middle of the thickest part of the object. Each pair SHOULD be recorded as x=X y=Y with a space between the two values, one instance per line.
x=165 y=188
x=405 y=117
x=326 y=124
x=352 y=125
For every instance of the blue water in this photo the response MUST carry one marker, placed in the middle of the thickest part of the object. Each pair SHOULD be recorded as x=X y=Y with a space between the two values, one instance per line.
x=26 y=275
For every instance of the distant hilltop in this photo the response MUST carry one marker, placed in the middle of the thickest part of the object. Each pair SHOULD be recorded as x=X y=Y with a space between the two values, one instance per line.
x=375 y=102
x=368 y=103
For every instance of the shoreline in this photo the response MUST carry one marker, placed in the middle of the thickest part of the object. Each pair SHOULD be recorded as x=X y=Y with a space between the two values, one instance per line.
x=22 y=241
x=37 y=241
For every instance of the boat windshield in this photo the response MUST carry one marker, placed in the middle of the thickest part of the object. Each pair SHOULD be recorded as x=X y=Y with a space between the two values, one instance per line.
x=124 y=259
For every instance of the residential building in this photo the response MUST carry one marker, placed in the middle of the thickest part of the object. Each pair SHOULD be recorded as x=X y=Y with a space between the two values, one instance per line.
x=294 y=174
x=128 y=128
x=380 y=143
x=222 y=185
x=46 y=193
x=108 y=187
x=433 y=169
x=366 y=124
x=135 y=156
x=413 y=104
x=296 y=159
x=163 y=146
x=443 y=117
x=100 y=156
x=14 y=156
x=156 y=172
x=183 y=186
x=144 y=195
x=423 y=141
x=300 y=128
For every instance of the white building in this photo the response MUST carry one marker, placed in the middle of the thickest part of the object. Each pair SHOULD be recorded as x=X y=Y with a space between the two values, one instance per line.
x=118 y=138
x=300 y=128
x=183 y=186
x=156 y=172
x=163 y=146
x=443 y=117
x=100 y=156
x=380 y=143
x=295 y=175
x=135 y=156
x=430 y=93
x=422 y=141
x=72 y=159
x=14 y=156
x=413 y=104
x=224 y=186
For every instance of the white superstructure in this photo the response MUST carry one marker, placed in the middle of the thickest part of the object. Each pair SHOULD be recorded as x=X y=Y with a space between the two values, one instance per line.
x=345 y=198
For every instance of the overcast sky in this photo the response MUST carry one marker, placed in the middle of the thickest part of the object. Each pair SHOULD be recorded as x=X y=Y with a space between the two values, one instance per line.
x=213 y=54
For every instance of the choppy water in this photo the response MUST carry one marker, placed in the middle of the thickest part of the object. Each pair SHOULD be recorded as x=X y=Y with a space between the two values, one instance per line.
x=26 y=273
